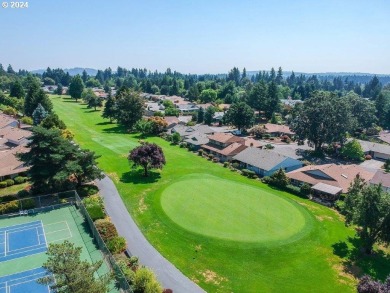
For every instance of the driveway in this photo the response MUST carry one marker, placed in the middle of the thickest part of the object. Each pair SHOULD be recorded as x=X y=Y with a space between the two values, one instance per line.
x=167 y=273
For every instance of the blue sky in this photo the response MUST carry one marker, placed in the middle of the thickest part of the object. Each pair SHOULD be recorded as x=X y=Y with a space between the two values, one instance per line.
x=200 y=36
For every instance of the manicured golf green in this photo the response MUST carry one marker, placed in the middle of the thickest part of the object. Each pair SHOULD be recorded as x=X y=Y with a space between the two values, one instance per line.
x=229 y=210
x=305 y=259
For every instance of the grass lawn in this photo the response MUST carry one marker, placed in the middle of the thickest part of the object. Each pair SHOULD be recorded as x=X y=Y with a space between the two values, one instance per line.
x=13 y=189
x=239 y=235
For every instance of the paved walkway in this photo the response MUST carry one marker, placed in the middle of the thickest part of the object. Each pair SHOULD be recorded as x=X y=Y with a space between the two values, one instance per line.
x=167 y=273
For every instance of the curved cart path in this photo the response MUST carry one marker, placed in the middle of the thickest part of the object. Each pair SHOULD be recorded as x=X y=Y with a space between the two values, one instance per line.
x=167 y=273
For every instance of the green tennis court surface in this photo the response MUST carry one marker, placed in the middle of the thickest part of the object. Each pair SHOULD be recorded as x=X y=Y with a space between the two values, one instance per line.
x=24 y=241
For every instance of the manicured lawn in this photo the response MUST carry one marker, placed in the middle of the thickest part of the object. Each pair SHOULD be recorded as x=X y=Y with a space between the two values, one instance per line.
x=229 y=210
x=303 y=250
x=13 y=189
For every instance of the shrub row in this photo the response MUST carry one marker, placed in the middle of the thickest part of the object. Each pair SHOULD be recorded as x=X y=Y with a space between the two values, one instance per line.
x=10 y=182
x=140 y=278
x=248 y=173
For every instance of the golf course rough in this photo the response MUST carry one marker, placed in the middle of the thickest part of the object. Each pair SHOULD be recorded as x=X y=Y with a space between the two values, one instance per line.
x=228 y=210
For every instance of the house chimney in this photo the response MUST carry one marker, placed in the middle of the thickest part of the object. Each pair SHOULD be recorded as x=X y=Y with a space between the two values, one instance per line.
x=19 y=124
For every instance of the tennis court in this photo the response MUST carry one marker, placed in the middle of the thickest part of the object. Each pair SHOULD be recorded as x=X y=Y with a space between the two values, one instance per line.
x=23 y=244
x=24 y=282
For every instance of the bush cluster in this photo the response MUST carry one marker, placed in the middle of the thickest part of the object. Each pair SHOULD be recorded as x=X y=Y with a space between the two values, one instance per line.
x=10 y=182
x=248 y=173
x=94 y=205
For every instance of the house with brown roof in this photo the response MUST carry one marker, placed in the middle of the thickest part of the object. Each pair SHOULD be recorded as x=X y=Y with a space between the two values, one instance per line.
x=6 y=120
x=14 y=135
x=330 y=180
x=278 y=130
x=10 y=165
x=171 y=121
x=13 y=140
x=224 y=146
x=381 y=178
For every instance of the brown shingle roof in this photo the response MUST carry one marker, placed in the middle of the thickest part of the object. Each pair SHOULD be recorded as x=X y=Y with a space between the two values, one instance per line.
x=9 y=163
x=13 y=133
x=231 y=150
x=272 y=128
x=336 y=175
x=226 y=138
x=381 y=177
x=6 y=120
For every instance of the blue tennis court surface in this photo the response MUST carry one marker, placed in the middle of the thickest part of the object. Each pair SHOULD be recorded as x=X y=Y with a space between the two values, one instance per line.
x=24 y=282
x=22 y=240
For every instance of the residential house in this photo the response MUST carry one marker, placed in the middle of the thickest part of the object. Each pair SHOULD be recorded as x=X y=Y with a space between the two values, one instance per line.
x=385 y=136
x=218 y=116
x=185 y=131
x=383 y=178
x=254 y=143
x=290 y=102
x=10 y=165
x=13 y=140
x=153 y=107
x=15 y=136
x=6 y=120
x=187 y=108
x=196 y=140
x=330 y=180
x=277 y=130
x=265 y=162
x=171 y=121
x=224 y=146
x=375 y=150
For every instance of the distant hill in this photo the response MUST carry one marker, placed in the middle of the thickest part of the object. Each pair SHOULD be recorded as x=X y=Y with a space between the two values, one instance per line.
x=72 y=71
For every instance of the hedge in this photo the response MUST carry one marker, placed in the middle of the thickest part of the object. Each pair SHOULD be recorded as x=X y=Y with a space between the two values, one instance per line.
x=9 y=207
x=249 y=173
x=10 y=182
x=96 y=212
x=116 y=245
x=3 y=184
x=106 y=229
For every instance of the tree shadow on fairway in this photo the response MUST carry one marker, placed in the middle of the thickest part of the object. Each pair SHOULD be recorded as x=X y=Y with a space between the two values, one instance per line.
x=105 y=123
x=118 y=129
x=358 y=263
x=137 y=177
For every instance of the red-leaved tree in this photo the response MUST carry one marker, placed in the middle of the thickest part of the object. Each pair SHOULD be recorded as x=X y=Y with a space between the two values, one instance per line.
x=147 y=155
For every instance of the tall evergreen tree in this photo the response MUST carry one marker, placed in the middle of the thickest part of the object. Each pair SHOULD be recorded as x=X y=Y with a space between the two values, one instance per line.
x=17 y=90
x=200 y=117
x=39 y=114
x=35 y=95
x=67 y=273
x=279 y=76
x=110 y=109
x=208 y=115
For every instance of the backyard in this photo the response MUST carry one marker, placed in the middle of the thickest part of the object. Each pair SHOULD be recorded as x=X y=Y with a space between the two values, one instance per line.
x=224 y=231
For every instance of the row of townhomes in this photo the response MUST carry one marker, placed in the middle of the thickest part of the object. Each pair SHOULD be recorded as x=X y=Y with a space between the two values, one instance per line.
x=267 y=155
x=13 y=140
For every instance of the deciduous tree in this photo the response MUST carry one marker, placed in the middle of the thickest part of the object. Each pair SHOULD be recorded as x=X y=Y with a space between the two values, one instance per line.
x=76 y=87
x=130 y=107
x=148 y=156
x=240 y=115
x=368 y=207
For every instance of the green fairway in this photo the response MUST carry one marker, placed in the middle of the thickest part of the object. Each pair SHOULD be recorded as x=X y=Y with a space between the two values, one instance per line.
x=225 y=209
x=313 y=241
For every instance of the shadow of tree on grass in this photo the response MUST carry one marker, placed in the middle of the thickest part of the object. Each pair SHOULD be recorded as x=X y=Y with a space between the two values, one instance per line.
x=137 y=177
x=358 y=263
